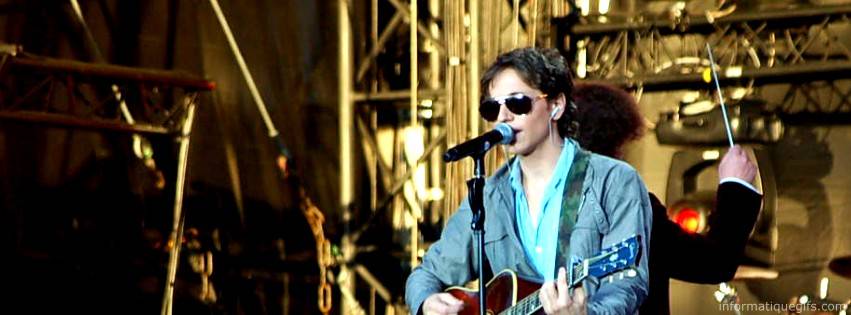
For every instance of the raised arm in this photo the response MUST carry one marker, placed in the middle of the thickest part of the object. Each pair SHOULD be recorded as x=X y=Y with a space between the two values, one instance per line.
x=714 y=257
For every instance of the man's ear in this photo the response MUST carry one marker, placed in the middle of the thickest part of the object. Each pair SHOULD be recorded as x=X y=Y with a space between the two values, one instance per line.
x=555 y=112
x=559 y=104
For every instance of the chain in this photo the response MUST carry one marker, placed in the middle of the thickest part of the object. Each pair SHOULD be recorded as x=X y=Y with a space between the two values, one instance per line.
x=323 y=250
x=315 y=219
x=208 y=294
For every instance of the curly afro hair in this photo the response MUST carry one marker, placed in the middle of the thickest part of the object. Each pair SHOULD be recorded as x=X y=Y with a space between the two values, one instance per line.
x=608 y=118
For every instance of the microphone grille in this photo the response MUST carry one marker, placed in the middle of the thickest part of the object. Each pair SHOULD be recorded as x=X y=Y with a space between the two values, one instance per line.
x=506 y=132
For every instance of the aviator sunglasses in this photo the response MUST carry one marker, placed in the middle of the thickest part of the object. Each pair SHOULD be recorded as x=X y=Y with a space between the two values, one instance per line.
x=518 y=103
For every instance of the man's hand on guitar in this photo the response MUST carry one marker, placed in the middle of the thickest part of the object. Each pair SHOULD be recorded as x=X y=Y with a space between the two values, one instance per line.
x=442 y=303
x=556 y=299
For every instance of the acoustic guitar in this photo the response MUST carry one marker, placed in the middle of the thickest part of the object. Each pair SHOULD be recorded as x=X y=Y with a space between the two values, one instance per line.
x=614 y=263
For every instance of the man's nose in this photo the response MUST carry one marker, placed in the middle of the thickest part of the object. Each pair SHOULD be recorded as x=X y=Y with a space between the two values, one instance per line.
x=505 y=115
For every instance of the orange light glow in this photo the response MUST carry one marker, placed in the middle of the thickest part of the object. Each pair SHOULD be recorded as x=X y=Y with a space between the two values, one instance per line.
x=688 y=219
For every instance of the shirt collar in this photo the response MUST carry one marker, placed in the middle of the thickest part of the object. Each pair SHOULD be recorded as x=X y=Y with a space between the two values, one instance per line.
x=564 y=161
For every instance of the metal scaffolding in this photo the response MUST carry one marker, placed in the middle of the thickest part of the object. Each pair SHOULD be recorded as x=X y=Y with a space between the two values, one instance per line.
x=754 y=47
x=162 y=103
x=364 y=96
x=406 y=93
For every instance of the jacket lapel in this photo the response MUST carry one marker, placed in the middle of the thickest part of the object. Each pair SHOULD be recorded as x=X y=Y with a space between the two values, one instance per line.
x=499 y=205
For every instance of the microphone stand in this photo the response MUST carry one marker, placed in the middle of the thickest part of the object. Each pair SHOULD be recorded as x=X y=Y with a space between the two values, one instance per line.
x=476 y=149
x=475 y=189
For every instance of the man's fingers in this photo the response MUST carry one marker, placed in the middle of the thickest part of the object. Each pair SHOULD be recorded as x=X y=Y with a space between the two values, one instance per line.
x=449 y=299
x=735 y=149
x=442 y=309
x=547 y=295
x=579 y=296
x=436 y=308
x=563 y=297
x=442 y=303
x=545 y=301
x=451 y=304
x=578 y=303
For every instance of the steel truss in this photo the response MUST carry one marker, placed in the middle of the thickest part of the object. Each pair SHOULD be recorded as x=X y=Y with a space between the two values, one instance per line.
x=776 y=45
x=31 y=86
x=366 y=94
x=815 y=103
x=795 y=45
x=99 y=97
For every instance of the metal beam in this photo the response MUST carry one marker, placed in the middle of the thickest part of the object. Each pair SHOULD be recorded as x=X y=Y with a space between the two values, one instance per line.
x=396 y=95
x=378 y=46
x=67 y=121
x=420 y=28
x=113 y=72
x=701 y=25
x=345 y=131
x=399 y=183
x=799 y=73
x=372 y=145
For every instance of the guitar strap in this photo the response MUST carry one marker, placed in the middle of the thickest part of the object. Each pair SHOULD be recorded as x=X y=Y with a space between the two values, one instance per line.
x=570 y=203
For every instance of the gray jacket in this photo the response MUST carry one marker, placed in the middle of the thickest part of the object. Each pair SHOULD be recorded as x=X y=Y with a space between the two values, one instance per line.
x=614 y=206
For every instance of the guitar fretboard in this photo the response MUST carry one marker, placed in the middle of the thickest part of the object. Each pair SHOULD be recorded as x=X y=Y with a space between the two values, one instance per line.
x=532 y=303
x=527 y=305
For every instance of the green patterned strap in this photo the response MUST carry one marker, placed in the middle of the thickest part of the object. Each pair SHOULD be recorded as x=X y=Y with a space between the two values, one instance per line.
x=570 y=205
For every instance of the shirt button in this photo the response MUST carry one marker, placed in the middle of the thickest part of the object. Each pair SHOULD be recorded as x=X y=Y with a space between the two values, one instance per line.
x=539 y=249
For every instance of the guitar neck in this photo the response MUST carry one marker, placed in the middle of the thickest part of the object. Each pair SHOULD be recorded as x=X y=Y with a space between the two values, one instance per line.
x=619 y=257
x=531 y=303
x=527 y=305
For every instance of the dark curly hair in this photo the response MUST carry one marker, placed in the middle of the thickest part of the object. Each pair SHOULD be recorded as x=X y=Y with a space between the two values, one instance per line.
x=544 y=69
x=609 y=118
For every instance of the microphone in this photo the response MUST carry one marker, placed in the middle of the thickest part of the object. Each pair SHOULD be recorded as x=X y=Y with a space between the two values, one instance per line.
x=501 y=134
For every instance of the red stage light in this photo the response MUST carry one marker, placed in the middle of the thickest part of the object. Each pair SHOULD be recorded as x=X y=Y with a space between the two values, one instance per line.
x=688 y=219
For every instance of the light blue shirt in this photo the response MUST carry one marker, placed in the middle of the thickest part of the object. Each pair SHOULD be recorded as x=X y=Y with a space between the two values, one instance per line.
x=540 y=238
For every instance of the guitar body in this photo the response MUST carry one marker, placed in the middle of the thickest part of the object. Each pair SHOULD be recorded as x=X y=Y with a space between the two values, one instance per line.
x=503 y=291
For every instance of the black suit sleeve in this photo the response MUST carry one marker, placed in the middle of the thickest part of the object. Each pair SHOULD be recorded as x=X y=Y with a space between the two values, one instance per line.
x=714 y=257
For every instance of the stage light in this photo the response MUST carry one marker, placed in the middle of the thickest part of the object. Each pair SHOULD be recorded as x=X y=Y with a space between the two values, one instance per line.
x=434 y=193
x=688 y=219
x=711 y=155
x=698 y=107
x=582 y=62
x=603 y=6
x=584 y=6
x=691 y=213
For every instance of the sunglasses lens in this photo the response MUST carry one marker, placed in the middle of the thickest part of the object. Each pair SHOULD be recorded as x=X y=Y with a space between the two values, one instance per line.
x=519 y=105
x=489 y=110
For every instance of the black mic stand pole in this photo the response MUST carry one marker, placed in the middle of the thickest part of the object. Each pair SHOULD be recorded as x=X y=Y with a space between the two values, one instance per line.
x=475 y=189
